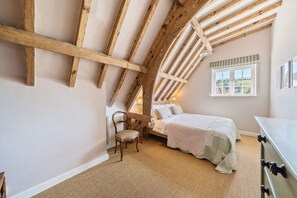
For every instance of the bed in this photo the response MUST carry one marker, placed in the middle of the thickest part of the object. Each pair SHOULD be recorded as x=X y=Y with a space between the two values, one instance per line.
x=206 y=137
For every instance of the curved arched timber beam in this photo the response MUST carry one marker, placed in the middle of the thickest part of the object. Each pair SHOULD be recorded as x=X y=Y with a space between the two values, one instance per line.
x=177 y=18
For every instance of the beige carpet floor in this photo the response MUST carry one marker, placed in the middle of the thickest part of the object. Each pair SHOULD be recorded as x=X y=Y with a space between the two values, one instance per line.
x=158 y=171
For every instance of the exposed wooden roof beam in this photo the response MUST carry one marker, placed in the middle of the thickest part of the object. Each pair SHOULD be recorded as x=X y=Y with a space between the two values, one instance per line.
x=169 y=69
x=234 y=14
x=80 y=34
x=135 y=46
x=29 y=39
x=138 y=94
x=178 y=87
x=182 y=74
x=171 y=77
x=172 y=46
x=218 y=11
x=29 y=19
x=197 y=27
x=260 y=22
x=251 y=17
x=177 y=18
x=181 y=63
x=114 y=37
x=242 y=35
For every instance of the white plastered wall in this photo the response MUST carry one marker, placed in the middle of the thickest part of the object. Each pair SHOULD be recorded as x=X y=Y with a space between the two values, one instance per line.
x=284 y=47
x=50 y=129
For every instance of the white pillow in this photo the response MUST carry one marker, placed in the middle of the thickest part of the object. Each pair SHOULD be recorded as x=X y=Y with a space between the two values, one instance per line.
x=164 y=112
x=154 y=114
x=177 y=110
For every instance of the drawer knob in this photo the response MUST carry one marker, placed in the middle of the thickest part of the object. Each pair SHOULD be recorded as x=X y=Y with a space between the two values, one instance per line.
x=265 y=163
x=261 y=138
x=275 y=169
x=265 y=190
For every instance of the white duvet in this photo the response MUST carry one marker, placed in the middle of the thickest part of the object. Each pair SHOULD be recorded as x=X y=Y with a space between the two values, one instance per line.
x=206 y=137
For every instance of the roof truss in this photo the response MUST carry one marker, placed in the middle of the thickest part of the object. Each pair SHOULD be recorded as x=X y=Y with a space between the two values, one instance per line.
x=258 y=15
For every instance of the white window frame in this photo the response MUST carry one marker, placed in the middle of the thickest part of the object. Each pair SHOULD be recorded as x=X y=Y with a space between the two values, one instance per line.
x=231 y=70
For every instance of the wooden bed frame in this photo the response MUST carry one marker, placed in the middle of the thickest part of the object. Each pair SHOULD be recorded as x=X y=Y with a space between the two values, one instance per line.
x=151 y=131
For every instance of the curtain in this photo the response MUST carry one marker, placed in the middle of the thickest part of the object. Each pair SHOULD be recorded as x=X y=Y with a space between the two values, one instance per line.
x=235 y=62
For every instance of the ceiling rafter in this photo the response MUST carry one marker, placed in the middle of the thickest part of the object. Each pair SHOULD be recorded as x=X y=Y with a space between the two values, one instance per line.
x=113 y=38
x=237 y=29
x=171 y=77
x=172 y=47
x=251 y=17
x=30 y=39
x=181 y=65
x=201 y=34
x=80 y=34
x=181 y=50
x=243 y=35
x=173 y=70
x=245 y=28
x=187 y=76
x=29 y=19
x=165 y=59
x=218 y=11
x=182 y=73
x=234 y=14
x=176 y=20
x=145 y=23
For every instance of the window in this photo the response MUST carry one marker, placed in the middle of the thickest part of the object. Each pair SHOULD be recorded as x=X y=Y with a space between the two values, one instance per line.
x=236 y=81
x=235 y=77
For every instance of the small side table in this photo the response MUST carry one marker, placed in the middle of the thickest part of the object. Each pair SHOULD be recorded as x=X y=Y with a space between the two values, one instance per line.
x=2 y=185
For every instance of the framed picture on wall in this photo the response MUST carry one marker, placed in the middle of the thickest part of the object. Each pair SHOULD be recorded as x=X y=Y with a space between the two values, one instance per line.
x=285 y=76
x=294 y=72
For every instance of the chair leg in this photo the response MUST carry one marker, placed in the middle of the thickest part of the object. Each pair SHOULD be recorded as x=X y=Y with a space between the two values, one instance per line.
x=137 y=140
x=121 y=145
x=115 y=148
x=141 y=136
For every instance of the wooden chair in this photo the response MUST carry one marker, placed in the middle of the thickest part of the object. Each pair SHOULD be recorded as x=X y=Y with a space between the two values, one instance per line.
x=124 y=136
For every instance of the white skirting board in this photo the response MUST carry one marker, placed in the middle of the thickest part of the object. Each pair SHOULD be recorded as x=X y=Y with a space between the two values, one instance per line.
x=248 y=133
x=54 y=181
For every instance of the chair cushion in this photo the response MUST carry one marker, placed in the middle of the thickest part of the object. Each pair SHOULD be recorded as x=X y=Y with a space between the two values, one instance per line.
x=126 y=135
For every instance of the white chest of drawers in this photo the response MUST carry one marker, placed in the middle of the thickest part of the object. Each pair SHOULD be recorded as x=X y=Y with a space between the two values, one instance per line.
x=278 y=139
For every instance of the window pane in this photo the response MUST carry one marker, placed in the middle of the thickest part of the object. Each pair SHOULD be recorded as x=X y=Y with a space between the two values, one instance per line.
x=219 y=78
x=226 y=78
x=247 y=73
x=218 y=90
x=247 y=81
x=238 y=77
x=295 y=72
x=247 y=76
x=219 y=75
x=238 y=90
x=226 y=90
x=238 y=74
x=246 y=90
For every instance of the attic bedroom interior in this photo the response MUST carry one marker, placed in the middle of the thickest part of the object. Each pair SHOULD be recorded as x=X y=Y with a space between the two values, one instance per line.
x=148 y=98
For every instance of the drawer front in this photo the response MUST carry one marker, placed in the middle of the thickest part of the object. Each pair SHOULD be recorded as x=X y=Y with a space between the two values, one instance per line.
x=266 y=183
x=284 y=187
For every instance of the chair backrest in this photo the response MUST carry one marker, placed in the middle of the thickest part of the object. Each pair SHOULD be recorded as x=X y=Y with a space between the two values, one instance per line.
x=123 y=119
